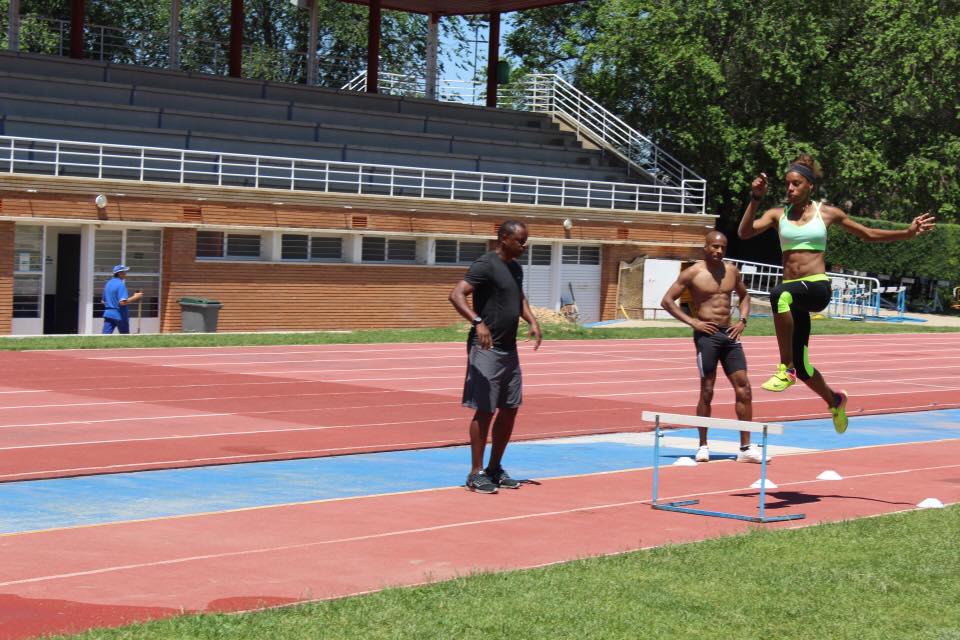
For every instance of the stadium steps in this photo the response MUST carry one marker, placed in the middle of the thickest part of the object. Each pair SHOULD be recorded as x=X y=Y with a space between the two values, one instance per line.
x=122 y=104
x=134 y=95
x=120 y=134
x=285 y=130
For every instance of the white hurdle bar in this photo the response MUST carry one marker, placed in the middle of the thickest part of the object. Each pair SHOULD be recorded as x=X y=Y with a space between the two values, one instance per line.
x=682 y=506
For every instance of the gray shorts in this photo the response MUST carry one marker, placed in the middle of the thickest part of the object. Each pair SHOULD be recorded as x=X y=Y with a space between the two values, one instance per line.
x=493 y=380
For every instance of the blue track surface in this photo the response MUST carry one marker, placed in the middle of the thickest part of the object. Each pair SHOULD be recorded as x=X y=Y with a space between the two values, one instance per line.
x=46 y=504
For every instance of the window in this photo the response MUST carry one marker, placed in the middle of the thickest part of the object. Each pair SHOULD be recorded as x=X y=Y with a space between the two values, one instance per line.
x=294 y=247
x=401 y=250
x=315 y=248
x=374 y=249
x=388 y=250
x=27 y=271
x=217 y=244
x=539 y=255
x=243 y=245
x=141 y=250
x=458 y=251
x=107 y=250
x=581 y=254
x=326 y=249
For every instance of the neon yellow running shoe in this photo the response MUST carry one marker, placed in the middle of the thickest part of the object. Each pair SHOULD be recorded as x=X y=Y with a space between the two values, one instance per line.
x=839 y=412
x=782 y=380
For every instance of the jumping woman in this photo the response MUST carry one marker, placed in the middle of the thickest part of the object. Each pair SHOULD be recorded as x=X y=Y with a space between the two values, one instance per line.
x=802 y=225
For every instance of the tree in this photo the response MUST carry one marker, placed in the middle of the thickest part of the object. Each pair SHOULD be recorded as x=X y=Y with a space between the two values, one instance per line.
x=869 y=87
x=275 y=36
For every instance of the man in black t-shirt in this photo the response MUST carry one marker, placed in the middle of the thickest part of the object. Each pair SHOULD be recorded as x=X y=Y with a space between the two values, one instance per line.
x=493 y=383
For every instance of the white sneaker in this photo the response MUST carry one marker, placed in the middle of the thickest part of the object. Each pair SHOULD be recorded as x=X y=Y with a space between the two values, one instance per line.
x=753 y=454
x=703 y=454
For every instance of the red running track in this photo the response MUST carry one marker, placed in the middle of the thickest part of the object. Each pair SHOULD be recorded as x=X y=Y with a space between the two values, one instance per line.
x=125 y=572
x=66 y=413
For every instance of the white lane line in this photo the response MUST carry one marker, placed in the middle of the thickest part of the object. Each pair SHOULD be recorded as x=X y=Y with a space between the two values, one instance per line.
x=169 y=401
x=924 y=339
x=568 y=385
x=416 y=530
x=931 y=340
x=263 y=457
x=529 y=364
x=220 y=434
x=541 y=357
x=755 y=401
x=309 y=545
x=459 y=367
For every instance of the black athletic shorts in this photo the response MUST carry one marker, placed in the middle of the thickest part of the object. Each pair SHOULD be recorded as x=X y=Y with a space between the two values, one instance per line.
x=718 y=347
x=493 y=380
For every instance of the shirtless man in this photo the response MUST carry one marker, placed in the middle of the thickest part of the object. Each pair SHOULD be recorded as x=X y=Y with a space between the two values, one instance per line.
x=711 y=282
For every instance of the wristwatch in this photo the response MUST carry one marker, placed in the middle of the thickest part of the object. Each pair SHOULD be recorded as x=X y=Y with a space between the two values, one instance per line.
x=477 y=320
x=744 y=321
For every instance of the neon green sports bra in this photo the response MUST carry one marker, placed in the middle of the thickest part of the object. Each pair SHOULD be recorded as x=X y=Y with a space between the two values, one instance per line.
x=811 y=236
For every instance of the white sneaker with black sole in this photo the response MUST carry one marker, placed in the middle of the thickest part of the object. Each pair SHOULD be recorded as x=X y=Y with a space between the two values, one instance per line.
x=752 y=454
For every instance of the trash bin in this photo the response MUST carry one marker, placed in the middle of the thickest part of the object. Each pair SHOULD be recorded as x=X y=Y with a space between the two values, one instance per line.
x=199 y=315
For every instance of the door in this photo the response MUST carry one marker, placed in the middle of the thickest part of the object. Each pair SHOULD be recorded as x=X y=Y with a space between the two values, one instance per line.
x=658 y=275
x=66 y=302
x=580 y=279
x=536 y=275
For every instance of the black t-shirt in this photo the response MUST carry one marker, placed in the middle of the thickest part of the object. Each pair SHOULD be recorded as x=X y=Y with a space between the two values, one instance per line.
x=497 y=297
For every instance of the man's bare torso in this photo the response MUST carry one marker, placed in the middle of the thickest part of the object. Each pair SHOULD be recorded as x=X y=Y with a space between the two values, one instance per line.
x=711 y=292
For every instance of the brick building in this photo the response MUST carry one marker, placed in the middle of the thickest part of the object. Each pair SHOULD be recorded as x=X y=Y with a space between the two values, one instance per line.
x=301 y=208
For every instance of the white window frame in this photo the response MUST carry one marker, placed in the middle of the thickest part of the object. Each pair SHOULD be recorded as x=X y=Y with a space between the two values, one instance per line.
x=458 y=250
x=579 y=257
x=225 y=246
x=311 y=237
x=386 y=250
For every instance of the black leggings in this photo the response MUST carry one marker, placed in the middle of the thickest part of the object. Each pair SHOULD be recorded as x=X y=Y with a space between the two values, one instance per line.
x=801 y=297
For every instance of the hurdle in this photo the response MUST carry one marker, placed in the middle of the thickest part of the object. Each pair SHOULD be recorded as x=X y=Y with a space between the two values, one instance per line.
x=682 y=506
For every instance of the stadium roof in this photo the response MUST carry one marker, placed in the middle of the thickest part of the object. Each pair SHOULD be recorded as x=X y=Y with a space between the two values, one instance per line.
x=462 y=7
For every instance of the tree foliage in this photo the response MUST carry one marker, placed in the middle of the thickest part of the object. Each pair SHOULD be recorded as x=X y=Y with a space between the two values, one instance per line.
x=935 y=255
x=869 y=87
x=275 y=35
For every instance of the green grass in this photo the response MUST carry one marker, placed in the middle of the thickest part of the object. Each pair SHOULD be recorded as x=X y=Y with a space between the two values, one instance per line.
x=454 y=333
x=895 y=576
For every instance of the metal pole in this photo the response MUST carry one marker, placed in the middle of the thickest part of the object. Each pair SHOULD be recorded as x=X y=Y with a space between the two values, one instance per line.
x=13 y=34
x=236 y=38
x=139 y=314
x=173 y=47
x=763 y=474
x=433 y=46
x=656 y=458
x=493 y=56
x=373 y=47
x=77 y=11
x=312 y=43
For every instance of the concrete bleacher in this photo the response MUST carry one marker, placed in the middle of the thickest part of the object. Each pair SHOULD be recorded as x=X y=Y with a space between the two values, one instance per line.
x=61 y=98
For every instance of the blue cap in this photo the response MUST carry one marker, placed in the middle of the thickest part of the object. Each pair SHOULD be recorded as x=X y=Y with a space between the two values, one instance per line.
x=120 y=268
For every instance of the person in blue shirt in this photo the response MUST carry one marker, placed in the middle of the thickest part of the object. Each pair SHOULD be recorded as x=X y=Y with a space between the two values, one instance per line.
x=116 y=301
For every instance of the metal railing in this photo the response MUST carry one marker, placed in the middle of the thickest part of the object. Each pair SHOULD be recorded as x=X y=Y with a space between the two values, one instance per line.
x=759 y=278
x=852 y=296
x=447 y=90
x=549 y=93
x=40 y=156
x=51 y=36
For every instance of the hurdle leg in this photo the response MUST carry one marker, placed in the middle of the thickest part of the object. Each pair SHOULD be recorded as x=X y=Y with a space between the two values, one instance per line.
x=656 y=459
x=763 y=489
x=763 y=475
x=670 y=506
